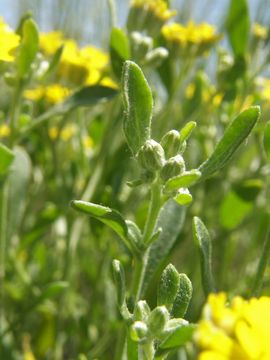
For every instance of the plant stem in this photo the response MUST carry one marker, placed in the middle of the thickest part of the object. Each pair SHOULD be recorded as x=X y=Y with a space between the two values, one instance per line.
x=15 y=112
x=153 y=211
x=262 y=265
x=151 y=220
x=3 y=242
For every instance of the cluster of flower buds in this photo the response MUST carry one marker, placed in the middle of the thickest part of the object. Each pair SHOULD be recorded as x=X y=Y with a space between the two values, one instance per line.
x=143 y=51
x=164 y=161
x=157 y=325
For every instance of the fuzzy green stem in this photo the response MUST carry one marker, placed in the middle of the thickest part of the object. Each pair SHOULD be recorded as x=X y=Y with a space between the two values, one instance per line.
x=262 y=265
x=152 y=216
x=153 y=211
x=147 y=351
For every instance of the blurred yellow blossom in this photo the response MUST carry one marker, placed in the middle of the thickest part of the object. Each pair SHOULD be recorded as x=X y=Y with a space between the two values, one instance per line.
x=56 y=93
x=238 y=330
x=4 y=131
x=88 y=142
x=260 y=31
x=264 y=83
x=9 y=41
x=68 y=132
x=79 y=66
x=53 y=93
x=148 y=15
x=65 y=134
x=107 y=81
x=49 y=42
x=159 y=8
x=196 y=36
x=53 y=132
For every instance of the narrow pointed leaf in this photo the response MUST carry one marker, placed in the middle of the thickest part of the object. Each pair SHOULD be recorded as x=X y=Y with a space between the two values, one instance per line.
x=238 y=24
x=138 y=104
x=177 y=338
x=108 y=216
x=186 y=179
x=28 y=48
x=233 y=137
x=203 y=242
x=119 y=50
x=187 y=130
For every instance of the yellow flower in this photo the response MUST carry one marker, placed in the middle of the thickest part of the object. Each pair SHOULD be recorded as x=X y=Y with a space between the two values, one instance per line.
x=158 y=8
x=107 y=81
x=236 y=331
x=35 y=94
x=49 y=42
x=199 y=37
x=9 y=41
x=53 y=93
x=4 y=131
x=56 y=93
x=88 y=142
x=259 y=31
x=53 y=132
x=68 y=132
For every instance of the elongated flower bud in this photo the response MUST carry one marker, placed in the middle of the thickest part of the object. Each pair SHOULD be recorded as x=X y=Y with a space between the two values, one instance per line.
x=151 y=156
x=173 y=167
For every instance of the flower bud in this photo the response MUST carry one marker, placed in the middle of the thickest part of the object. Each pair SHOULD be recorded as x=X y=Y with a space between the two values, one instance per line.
x=119 y=280
x=141 y=44
x=156 y=56
x=171 y=143
x=157 y=320
x=141 y=311
x=138 y=331
x=183 y=197
x=151 y=156
x=173 y=167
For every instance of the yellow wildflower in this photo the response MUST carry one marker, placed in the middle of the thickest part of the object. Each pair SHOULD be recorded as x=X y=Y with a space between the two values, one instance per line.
x=198 y=37
x=158 y=8
x=259 y=31
x=53 y=132
x=4 y=131
x=68 y=132
x=9 y=41
x=49 y=42
x=148 y=15
x=88 y=142
x=56 y=93
x=107 y=81
x=53 y=94
x=35 y=94
x=190 y=90
x=239 y=330
x=95 y=57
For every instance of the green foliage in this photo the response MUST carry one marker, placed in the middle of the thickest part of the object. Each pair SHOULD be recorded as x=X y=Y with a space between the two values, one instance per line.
x=203 y=242
x=238 y=25
x=233 y=137
x=119 y=50
x=6 y=158
x=138 y=105
x=29 y=47
x=144 y=175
